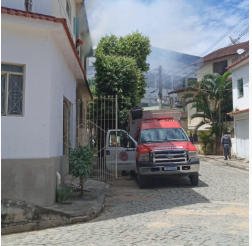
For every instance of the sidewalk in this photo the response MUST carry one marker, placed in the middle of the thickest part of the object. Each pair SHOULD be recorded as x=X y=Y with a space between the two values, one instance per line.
x=20 y=216
x=234 y=162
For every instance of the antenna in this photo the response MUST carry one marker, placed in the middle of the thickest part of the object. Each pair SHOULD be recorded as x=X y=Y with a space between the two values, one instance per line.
x=234 y=41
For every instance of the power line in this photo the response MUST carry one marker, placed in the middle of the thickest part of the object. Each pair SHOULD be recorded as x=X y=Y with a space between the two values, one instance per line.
x=194 y=71
x=242 y=33
x=222 y=37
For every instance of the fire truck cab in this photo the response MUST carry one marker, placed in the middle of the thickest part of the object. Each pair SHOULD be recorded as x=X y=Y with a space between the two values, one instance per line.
x=164 y=149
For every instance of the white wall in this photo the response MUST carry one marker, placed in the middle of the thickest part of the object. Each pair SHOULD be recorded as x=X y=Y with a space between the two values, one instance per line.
x=59 y=11
x=241 y=135
x=28 y=136
x=63 y=83
x=48 y=78
x=208 y=66
x=38 y=6
x=243 y=102
x=56 y=8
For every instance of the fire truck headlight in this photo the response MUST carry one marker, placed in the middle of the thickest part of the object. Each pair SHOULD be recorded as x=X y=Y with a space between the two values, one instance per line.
x=193 y=155
x=144 y=157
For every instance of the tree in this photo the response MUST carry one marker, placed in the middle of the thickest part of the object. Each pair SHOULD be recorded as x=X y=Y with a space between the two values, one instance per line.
x=212 y=97
x=80 y=161
x=120 y=63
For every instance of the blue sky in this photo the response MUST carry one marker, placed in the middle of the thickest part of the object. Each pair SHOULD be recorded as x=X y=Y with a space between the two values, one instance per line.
x=188 y=26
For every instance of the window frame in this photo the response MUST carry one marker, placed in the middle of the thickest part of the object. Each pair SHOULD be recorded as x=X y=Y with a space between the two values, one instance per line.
x=7 y=73
x=67 y=126
x=239 y=96
x=69 y=14
x=140 y=135
x=213 y=64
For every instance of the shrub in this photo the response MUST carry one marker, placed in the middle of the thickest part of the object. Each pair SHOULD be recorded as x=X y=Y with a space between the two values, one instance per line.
x=207 y=141
x=64 y=191
x=80 y=161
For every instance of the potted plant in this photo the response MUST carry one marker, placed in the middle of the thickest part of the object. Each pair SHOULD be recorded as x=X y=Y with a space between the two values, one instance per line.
x=80 y=162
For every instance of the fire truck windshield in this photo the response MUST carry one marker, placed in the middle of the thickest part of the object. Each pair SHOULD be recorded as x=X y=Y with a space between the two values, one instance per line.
x=162 y=135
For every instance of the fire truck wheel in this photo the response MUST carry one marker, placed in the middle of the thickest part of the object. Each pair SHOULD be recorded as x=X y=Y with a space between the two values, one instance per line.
x=133 y=174
x=142 y=181
x=194 y=179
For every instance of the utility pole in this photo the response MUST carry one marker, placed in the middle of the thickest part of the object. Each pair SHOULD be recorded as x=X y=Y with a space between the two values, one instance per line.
x=160 y=85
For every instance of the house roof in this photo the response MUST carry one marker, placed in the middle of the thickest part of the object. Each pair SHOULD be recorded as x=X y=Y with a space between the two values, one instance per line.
x=226 y=51
x=52 y=19
x=239 y=112
x=242 y=59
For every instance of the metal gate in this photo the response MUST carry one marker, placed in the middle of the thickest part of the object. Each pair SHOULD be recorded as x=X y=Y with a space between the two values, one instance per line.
x=102 y=114
x=93 y=119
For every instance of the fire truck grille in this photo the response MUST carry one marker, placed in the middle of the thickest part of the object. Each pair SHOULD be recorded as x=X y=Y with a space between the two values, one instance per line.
x=169 y=156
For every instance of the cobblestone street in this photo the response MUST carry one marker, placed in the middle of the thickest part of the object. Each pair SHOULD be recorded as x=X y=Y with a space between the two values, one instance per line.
x=167 y=213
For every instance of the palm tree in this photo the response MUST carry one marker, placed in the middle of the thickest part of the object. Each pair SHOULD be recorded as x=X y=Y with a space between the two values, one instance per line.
x=212 y=97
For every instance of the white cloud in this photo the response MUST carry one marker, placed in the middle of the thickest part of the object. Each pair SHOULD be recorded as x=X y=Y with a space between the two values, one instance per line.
x=180 y=25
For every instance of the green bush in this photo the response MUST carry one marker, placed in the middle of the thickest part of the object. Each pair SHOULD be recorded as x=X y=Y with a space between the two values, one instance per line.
x=207 y=141
x=80 y=163
x=64 y=191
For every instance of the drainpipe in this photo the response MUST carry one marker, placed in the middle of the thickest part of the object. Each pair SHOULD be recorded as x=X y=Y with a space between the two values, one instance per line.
x=58 y=178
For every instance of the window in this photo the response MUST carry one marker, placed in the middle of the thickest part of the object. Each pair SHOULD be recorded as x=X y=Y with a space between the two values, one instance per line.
x=76 y=26
x=66 y=126
x=162 y=135
x=240 y=88
x=122 y=140
x=191 y=79
x=11 y=89
x=220 y=67
x=68 y=9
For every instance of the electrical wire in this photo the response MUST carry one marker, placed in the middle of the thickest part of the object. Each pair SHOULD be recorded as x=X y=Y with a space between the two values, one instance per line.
x=216 y=42
x=243 y=33
x=195 y=70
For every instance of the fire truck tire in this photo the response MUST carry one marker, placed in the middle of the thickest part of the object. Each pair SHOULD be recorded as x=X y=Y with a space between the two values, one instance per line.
x=194 y=179
x=142 y=181
x=133 y=174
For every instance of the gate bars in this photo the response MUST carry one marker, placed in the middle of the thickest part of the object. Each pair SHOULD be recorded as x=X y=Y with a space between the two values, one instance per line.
x=93 y=119
x=102 y=114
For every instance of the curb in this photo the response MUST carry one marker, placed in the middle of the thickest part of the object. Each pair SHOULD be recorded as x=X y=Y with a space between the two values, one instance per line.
x=46 y=224
x=227 y=163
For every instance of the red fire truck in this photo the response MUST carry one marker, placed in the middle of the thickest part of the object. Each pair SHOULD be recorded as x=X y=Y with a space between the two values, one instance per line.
x=161 y=148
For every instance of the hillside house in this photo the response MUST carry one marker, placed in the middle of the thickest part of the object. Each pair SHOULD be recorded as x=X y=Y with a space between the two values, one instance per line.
x=240 y=88
x=44 y=94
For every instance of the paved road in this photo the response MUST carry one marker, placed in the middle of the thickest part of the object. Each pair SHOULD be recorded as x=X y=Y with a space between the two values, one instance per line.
x=167 y=213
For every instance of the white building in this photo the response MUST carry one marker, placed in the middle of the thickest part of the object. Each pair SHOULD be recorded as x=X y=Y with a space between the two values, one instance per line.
x=240 y=82
x=42 y=78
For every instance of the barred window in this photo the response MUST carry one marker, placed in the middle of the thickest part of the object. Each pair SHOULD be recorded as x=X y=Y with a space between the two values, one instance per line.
x=11 y=89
